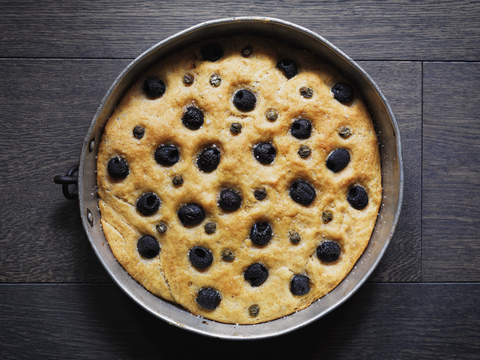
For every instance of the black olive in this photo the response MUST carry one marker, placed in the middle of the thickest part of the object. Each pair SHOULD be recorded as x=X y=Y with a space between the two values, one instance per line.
x=342 y=92
x=261 y=233
x=191 y=214
x=148 y=204
x=208 y=298
x=357 y=197
x=328 y=251
x=302 y=192
x=301 y=128
x=230 y=200
x=167 y=155
x=154 y=87
x=244 y=100
x=265 y=153
x=193 y=118
x=118 y=168
x=260 y=194
x=288 y=67
x=212 y=52
x=200 y=257
x=209 y=159
x=256 y=274
x=338 y=160
x=148 y=246
x=299 y=285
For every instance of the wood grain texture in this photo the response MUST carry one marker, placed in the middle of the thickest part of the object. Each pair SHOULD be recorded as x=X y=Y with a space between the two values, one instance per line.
x=381 y=321
x=386 y=30
x=402 y=260
x=451 y=175
x=45 y=109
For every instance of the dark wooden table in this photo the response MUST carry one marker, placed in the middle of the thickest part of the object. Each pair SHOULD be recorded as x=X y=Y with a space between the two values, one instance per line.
x=57 y=60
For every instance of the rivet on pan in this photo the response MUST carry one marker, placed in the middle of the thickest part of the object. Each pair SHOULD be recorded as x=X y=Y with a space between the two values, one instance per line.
x=91 y=146
x=90 y=217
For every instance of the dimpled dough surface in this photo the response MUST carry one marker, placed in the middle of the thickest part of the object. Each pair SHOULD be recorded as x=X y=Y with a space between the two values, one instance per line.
x=170 y=274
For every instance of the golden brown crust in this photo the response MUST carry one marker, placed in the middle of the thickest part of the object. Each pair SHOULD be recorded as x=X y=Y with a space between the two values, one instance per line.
x=170 y=275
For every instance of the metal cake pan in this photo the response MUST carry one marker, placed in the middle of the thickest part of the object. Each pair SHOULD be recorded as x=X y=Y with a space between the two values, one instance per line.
x=391 y=162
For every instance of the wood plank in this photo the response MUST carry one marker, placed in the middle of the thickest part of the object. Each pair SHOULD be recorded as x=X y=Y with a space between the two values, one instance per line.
x=402 y=260
x=381 y=321
x=44 y=240
x=451 y=176
x=369 y=30
x=47 y=106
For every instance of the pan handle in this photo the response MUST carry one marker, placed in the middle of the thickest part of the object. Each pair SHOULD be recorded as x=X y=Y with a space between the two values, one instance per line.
x=69 y=183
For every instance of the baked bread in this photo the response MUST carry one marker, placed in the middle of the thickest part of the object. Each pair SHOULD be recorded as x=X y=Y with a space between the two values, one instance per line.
x=240 y=179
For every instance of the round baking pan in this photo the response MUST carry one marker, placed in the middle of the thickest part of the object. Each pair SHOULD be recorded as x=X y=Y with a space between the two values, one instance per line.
x=391 y=162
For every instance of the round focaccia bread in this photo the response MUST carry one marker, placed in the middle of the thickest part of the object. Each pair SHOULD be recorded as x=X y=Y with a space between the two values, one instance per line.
x=240 y=179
